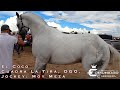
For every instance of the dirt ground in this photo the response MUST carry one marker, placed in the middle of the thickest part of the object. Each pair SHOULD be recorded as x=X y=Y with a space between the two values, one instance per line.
x=24 y=65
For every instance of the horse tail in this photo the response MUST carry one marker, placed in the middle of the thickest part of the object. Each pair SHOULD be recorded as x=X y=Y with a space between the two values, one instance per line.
x=103 y=59
x=103 y=54
x=114 y=55
x=109 y=55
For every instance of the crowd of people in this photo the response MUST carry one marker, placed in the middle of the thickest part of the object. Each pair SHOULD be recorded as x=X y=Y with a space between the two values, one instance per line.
x=22 y=42
x=27 y=41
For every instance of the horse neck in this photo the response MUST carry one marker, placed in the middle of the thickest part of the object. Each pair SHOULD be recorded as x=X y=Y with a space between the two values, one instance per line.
x=37 y=25
x=36 y=28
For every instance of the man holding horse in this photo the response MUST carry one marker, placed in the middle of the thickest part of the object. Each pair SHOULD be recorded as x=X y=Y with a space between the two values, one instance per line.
x=6 y=51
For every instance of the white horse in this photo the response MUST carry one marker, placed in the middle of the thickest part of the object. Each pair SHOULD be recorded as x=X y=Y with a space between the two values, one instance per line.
x=52 y=46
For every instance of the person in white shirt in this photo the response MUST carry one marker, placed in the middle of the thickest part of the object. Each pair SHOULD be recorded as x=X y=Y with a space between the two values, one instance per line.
x=6 y=51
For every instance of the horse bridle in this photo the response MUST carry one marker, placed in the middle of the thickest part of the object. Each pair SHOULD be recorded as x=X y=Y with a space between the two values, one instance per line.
x=23 y=25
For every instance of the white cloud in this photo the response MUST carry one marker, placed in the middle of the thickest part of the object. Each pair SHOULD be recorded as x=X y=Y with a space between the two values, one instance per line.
x=53 y=20
x=53 y=24
x=107 y=30
x=112 y=28
x=48 y=13
x=1 y=23
x=100 y=21
x=66 y=29
x=102 y=26
x=12 y=23
x=82 y=16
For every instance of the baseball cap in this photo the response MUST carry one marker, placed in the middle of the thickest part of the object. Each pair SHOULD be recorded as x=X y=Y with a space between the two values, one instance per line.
x=5 y=27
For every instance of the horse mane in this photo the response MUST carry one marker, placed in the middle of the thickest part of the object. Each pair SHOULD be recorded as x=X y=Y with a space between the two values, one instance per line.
x=40 y=20
x=31 y=15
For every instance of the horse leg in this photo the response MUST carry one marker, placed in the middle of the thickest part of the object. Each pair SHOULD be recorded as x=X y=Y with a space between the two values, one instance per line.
x=22 y=48
x=18 y=49
x=87 y=62
x=40 y=64
x=100 y=62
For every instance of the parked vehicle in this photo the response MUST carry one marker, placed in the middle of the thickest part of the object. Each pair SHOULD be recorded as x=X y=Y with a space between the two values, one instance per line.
x=116 y=44
x=106 y=36
x=109 y=40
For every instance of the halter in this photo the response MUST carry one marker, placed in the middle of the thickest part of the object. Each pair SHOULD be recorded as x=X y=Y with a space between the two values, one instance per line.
x=23 y=25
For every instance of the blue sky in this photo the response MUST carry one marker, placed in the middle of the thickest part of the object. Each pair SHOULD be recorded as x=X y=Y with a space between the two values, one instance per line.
x=63 y=23
x=81 y=21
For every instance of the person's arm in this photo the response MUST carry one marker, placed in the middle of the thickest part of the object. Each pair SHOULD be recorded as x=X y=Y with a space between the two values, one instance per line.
x=20 y=41
x=16 y=40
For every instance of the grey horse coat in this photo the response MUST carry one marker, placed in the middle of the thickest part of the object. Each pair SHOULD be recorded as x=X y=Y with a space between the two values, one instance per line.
x=52 y=46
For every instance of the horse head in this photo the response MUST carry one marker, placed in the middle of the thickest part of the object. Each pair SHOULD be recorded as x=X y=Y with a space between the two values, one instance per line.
x=22 y=25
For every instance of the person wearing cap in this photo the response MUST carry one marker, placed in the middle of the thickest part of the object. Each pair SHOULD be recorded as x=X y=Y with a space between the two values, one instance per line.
x=6 y=52
x=10 y=32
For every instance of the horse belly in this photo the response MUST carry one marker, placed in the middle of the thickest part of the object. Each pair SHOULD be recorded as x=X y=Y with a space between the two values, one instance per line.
x=65 y=58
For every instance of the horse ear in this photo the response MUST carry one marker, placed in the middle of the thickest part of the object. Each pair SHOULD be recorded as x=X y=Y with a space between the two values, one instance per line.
x=17 y=14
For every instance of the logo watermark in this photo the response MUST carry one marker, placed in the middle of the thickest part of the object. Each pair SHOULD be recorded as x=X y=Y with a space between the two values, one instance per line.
x=102 y=73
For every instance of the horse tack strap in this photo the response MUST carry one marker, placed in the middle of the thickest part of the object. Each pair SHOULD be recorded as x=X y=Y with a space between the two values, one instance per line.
x=23 y=24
